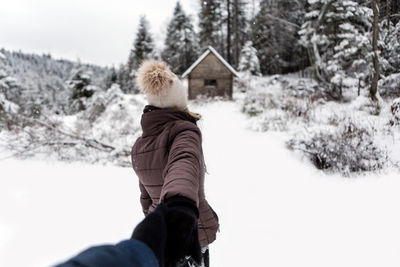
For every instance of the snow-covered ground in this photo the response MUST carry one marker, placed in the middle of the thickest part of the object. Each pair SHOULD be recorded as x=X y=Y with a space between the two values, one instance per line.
x=275 y=209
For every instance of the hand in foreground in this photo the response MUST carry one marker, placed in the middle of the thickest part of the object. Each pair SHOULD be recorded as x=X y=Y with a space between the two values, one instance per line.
x=182 y=227
x=171 y=231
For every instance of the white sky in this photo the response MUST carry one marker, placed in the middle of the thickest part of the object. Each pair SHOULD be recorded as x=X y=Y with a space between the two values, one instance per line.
x=95 y=31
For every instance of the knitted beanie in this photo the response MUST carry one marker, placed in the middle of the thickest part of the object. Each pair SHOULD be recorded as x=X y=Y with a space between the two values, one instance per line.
x=161 y=86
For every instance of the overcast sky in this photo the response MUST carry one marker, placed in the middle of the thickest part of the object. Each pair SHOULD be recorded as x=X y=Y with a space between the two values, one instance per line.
x=95 y=31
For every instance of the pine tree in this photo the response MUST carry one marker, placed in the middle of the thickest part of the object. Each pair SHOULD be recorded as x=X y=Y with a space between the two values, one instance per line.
x=336 y=34
x=261 y=37
x=248 y=60
x=10 y=87
x=235 y=15
x=143 y=48
x=143 y=45
x=181 y=48
x=111 y=78
x=81 y=88
x=389 y=44
x=275 y=36
x=210 y=24
x=389 y=12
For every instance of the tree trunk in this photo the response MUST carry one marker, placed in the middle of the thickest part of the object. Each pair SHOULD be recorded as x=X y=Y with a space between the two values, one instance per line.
x=228 y=32
x=388 y=9
x=236 y=33
x=395 y=11
x=315 y=57
x=374 y=86
x=276 y=32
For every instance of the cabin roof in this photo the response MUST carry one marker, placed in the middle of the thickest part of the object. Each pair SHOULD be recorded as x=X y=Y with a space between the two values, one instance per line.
x=209 y=50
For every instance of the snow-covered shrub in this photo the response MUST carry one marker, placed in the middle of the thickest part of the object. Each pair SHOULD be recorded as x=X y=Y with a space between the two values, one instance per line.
x=296 y=107
x=274 y=114
x=346 y=149
x=113 y=116
x=272 y=120
x=366 y=104
x=254 y=105
x=98 y=103
x=102 y=133
x=288 y=101
x=307 y=89
x=302 y=88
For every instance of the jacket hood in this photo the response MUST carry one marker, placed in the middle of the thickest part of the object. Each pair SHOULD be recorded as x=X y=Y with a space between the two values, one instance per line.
x=154 y=118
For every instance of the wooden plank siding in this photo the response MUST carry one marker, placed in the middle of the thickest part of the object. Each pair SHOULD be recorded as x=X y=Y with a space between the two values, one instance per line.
x=210 y=68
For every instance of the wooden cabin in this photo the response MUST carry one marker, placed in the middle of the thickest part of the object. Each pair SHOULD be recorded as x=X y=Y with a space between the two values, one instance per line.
x=210 y=75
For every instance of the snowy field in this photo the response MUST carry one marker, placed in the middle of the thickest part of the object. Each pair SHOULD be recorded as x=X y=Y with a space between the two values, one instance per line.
x=275 y=209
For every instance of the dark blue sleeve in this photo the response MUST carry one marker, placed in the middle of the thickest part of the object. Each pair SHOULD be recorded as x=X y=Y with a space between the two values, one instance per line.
x=126 y=253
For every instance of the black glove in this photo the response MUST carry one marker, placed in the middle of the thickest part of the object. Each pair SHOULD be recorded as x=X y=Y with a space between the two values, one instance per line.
x=153 y=232
x=182 y=238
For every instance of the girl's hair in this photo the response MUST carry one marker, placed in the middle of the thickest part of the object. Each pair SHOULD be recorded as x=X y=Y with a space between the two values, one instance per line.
x=194 y=115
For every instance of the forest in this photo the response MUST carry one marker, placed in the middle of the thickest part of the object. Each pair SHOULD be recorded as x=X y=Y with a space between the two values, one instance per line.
x=335 y=42
x=321 y=53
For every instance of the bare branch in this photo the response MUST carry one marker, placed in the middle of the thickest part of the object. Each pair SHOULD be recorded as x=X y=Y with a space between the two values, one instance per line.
x=284 y=21
x=89 y=142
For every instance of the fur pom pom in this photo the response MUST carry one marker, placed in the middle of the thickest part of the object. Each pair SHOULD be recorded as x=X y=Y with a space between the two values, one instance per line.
x=154 y=77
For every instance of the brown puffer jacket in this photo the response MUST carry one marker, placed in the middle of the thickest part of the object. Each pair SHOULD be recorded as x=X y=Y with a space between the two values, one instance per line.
x=168 y=160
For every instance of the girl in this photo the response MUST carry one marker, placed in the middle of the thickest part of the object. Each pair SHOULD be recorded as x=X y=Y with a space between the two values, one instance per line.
x=168 y=159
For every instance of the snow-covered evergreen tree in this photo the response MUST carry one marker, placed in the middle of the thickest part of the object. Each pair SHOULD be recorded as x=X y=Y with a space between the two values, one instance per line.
x=274 y=35
x=7 y=91
x=262 y=37
x=248 y=60
x=337 y=36
x=235 y=16
x=123 y=78
x=9 y=87
x=143 y=48
x=390 y=45
x=143 y=45
x=181 y=47
x=210 y=24
x=111 y=78
x=81 y=89
x=243 y=21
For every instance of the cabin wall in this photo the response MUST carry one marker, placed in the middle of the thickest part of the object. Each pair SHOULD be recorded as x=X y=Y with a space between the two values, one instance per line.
x=210 y=69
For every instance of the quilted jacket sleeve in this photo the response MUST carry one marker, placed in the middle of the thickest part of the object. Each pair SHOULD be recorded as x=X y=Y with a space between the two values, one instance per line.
x=182 y=172
x=145 y=199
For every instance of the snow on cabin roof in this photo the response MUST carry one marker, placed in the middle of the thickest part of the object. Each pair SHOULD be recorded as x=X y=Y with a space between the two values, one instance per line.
x=200 y=59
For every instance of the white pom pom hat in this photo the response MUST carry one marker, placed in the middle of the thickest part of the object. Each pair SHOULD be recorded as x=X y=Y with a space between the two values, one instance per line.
x=161 y=86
